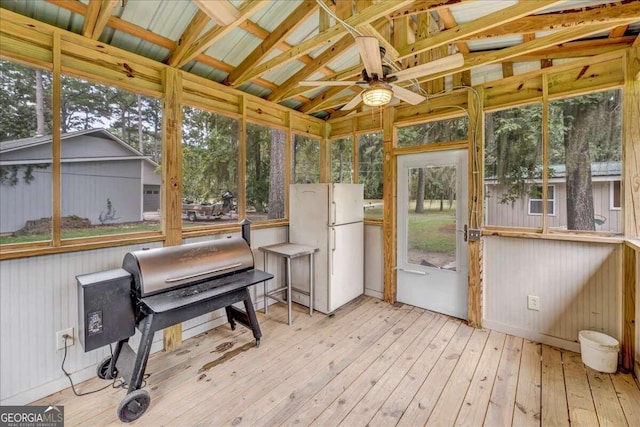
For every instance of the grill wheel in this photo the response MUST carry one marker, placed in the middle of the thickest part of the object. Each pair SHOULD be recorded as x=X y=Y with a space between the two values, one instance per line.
x=134 y=405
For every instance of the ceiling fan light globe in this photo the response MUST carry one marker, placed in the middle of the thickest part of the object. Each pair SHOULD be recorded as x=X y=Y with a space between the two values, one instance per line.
x=377 y=96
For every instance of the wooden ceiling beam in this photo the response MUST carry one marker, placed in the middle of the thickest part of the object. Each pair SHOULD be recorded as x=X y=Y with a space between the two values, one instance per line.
x=449 y=22
x=189 y=35
x=468 y=29
x=327 y=99
x=611 y=13
x=271 y=41
x=330 y=36
x=497 y=56
x=348 y=74
x=577 y=49
x=247 y=9
x=424 y=6
x=97 y=16
x=318 y=62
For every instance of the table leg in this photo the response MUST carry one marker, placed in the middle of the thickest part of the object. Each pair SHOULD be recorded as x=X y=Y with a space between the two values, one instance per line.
x=289 y=296
x=264 y=284
x=311 y=284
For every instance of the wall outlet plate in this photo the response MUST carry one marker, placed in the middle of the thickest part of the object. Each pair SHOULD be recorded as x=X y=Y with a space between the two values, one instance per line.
x=60 y=340
x=533 y=302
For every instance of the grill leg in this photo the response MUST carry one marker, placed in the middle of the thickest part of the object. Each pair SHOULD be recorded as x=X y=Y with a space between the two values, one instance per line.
x=253 y=319
x=232 y=322
x=137 y=375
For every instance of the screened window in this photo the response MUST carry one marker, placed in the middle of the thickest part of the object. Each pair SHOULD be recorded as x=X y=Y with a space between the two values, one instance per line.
x=370 y=167
x=265 y=176
x=513 y=164
x=110 y=153
x=585 y=146
x=535 y=200
x=25 y=154
x=305 y=160
x=433 y=132
x=209 y=168
x=342 y=160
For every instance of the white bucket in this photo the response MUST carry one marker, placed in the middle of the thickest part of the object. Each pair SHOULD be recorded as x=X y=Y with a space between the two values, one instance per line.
x=599 y=351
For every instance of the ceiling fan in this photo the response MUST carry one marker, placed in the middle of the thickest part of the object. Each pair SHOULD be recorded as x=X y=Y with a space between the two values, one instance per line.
x=379 y=80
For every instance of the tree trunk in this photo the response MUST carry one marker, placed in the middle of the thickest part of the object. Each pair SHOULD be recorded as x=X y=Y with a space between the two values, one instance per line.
x=420 y=192
x=276 y=175
x=580 y=212
x=39 y=104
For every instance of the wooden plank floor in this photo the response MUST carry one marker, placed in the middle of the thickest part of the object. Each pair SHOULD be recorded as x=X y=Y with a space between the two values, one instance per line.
x=369 y=364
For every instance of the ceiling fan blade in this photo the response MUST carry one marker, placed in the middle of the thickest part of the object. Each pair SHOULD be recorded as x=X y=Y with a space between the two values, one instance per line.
x=436 y=66
x=406 y=95
x=370 y=54
x=223 y=12
x=353 y=103
x=326 y=83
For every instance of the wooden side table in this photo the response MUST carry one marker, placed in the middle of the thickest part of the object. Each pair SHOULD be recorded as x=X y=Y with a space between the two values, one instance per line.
x=289 y=251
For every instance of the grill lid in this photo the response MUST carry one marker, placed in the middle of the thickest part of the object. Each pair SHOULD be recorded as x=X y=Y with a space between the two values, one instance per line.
x=161 y=269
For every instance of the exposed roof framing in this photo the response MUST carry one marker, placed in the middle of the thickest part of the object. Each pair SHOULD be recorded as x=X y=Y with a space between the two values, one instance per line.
x=266 y=47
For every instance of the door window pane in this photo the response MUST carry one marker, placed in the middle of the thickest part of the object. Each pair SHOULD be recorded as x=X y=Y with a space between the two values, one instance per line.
x=431 y=229
x=25 y=154
x=265 y=173
x=209 y=168
x=370 y=168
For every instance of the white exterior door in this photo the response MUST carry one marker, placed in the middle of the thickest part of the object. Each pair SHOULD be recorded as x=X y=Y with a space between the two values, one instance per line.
x=432 y=217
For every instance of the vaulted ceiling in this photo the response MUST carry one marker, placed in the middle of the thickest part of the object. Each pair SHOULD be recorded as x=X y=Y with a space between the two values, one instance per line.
x=267 y=47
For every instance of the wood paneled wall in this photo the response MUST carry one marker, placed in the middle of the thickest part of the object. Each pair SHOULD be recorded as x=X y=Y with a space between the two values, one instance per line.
x=579 y=285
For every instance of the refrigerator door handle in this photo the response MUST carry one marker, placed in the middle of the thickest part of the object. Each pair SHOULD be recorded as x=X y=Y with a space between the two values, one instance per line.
x=333 y=248
x=334 y=210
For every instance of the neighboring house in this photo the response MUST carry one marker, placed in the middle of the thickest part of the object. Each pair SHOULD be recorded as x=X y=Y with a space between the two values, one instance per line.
x=97 y=169
x=526 y=211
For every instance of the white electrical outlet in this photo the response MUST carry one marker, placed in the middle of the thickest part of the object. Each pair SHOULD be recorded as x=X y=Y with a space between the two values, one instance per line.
x=60 y=340
x=533 y=302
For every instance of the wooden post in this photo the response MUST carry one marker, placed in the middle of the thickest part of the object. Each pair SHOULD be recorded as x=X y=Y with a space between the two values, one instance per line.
x=389 y=199
x=631 y=186
x=474 y=249
x=325 y=155
x=172 y=176
x=242 y=161
x=56 y=145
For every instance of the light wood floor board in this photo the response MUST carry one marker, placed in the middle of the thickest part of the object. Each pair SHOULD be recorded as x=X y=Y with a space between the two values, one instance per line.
x=503 y=395
x=368 y=364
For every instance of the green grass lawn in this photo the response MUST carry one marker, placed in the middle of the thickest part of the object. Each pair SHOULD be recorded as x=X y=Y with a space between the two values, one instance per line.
x=85 y=232
x=433 y=232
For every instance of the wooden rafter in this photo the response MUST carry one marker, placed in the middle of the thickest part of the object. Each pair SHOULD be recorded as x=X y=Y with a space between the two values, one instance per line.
x=468 y=29
x=525 y=48
x=247 y=9
x=341 y=75
x=449 y=22
x=330 y=36
x=325 y=57
x=424 y=6
x=326 y=99
x=97 y=16
x=189 y=35
x=269 y=43
x=609 y=13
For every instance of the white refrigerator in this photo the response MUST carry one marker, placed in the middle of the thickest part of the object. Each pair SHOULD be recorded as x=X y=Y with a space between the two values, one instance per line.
x=329 y=217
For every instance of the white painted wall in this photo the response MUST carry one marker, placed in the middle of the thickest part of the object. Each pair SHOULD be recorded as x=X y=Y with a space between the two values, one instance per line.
x=579 y=285
x=38 y=296
x=373 y=261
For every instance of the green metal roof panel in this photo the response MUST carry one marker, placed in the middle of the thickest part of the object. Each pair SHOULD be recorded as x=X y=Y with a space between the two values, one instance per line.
x=47 y=13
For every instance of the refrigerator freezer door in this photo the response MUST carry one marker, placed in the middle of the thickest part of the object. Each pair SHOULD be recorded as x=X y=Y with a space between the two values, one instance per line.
x=346 y=263
x=346 y=203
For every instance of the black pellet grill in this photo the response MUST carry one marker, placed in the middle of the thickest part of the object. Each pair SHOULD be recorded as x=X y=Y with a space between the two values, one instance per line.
x=158 y=288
